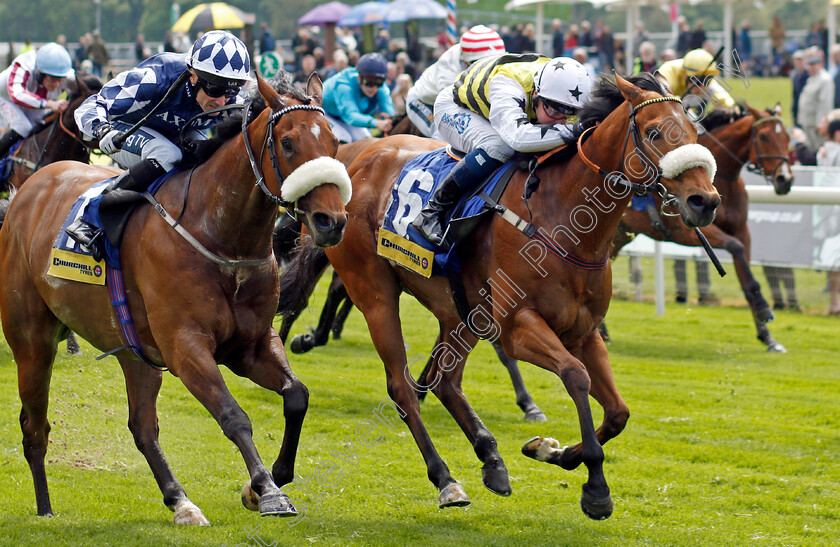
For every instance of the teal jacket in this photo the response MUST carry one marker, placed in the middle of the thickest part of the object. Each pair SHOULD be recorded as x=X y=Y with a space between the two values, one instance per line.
x=343 y=99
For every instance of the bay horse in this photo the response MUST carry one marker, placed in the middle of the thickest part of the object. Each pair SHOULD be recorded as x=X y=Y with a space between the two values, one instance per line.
x=542 y=309
x=58 y=139
x=757 y=139
x=217 y=308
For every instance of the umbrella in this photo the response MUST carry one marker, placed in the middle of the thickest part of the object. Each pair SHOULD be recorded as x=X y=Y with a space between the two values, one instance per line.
x=365 y=13
x=212 y=16
x=324 y=14
x=412 y=10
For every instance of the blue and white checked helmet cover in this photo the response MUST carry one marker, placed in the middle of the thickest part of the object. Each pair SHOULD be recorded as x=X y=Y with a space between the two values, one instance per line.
x=221 y=54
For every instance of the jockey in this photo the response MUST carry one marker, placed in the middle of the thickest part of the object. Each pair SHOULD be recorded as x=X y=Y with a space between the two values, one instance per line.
x=477 y=43
x=29 y=91
x=499 y=106
x=692 y=75
x=208 y=76
x=358 y=99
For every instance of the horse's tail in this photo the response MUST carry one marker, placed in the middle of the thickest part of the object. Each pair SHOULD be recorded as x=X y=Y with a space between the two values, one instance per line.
x=302 y=273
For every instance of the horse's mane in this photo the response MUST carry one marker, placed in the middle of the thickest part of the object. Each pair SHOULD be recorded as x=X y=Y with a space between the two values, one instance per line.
x=721 y=117
x=606 y=97
x=231 y=126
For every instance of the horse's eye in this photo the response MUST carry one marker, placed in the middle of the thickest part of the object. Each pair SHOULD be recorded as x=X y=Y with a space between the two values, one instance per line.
x=286 y=142
x=763 y=137
x=652 y=134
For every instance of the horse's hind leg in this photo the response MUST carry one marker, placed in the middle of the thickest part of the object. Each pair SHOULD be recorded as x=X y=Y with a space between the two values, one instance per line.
x=32 y=333
x=523 y=398
x=449 y=358
x=142 y=385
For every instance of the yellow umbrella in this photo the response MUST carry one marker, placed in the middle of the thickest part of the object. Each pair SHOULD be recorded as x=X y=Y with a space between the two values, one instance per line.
x=216 y=15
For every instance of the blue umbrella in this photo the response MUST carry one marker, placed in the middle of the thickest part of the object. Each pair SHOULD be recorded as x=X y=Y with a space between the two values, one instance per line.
x=365 y=13
x=411 y=10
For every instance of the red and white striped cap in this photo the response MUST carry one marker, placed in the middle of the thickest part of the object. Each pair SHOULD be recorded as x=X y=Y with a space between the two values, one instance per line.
x=480 y=42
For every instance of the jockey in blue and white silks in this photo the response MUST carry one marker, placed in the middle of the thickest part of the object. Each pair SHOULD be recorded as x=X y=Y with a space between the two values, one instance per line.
x=208 y=76
x=30 y=89
x=358 y=99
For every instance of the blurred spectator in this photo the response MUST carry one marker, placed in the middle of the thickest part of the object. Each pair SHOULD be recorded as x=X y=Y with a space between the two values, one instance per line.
x=557 y=40
x=61 y=40
x=817 y=97
x=266 y=38
x=168 y=43
x=814 y=37
x=745 y=43
x=182 y=42
x=698 y=37
x=97 y=52
x=586 y=38
x=10 y=57
x=646 y=61
x=27 y=46
x=80 y=55
x=340 y=62
x=383 y=41
x=401 y=86
x=571 y=41
x=307 y=67
x=527 y=41
x=606 y=49
x=345 y=39
x=829 y=155
x=777 y=40
x=580 y=55
x=140 y=49
x=799 y=76
x=320 y=60
x=303 y=44
x=684 y=35
x=405 y=66
x=393 y=72
x=667 y=55
x=641 y=36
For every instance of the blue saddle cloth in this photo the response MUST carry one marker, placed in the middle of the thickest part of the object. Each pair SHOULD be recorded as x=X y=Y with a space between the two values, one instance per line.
x=6 y=164
x=640 y=203
x=415 y=186
x=87 y=207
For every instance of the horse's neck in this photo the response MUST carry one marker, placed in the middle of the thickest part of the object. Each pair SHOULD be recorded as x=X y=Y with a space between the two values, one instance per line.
x=736 y=138
x=234 y=211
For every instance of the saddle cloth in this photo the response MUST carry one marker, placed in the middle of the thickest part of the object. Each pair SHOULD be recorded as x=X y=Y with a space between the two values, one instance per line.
x=399 y=241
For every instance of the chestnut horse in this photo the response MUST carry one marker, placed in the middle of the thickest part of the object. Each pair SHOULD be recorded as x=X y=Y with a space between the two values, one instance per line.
x=759 y=140
x=59 y=139
x=217 y=308
x=544 y=310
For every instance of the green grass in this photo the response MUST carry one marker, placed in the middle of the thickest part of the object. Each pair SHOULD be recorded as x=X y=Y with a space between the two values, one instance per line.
x=726 y=445
x=765 y=93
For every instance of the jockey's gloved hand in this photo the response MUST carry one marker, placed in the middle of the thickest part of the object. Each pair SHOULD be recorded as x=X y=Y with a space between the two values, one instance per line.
x=107 y=144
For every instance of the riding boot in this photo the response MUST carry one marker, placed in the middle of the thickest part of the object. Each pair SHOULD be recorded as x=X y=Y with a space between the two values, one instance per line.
x=118 y=198
x=464 y=177
x=7 y=141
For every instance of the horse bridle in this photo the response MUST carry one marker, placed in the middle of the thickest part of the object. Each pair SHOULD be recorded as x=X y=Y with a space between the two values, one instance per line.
x=34 y=166
x=644 y=156
x=756 y=167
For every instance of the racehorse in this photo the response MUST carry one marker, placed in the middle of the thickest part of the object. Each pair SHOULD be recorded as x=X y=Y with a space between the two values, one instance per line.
x=58 y=139
x=403 y=126
x=544 y=309
x=218 y=308
x=757 y=139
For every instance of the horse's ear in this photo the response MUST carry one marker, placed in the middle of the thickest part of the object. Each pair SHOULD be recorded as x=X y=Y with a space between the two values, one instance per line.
x=315 y=88
x=754 y=112
x=777 y=110
x=272 y=98
x=627 y=89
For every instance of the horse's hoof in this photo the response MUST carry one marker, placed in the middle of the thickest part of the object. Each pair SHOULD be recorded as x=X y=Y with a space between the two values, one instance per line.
x=453 y=495
x=535 y=415
x=775 y=347
x=188 y=514
x=301 y=343
x=250 y=499
x=276 y=504
x=764 y=315
x=496 y=479
x=542 y=448
x=596 y=508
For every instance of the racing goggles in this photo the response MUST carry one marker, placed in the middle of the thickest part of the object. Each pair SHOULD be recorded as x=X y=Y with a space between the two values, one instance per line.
x=372 y=82
x=214 y=91
x=555 y=109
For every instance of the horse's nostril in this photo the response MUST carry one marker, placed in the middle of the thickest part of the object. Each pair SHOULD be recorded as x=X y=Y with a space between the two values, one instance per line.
x=323 y=222
x=701 y=204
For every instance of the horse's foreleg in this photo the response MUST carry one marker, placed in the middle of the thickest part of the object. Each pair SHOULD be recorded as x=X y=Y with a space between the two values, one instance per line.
x=341 y=317
x=195 y=366
x=449 y=358
x=523 y=398
x=142 y=385
x=532 y=340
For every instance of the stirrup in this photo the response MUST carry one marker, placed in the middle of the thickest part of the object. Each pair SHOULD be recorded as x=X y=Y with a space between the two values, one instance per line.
x=87 y=236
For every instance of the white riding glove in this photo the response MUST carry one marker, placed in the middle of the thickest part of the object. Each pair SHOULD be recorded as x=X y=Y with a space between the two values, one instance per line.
x=107 y=144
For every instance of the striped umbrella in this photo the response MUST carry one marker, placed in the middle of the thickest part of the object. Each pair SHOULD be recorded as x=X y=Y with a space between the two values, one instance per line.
x=216 y=15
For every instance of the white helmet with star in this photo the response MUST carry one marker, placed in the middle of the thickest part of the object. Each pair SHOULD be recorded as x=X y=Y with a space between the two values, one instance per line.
x=563 y=80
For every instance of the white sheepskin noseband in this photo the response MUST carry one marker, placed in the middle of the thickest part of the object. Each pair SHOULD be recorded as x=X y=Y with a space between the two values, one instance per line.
x=685 y=157
x=323 y=170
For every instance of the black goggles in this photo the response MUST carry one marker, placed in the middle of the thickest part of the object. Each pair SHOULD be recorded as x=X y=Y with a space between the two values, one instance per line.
x=372 y=82
x=214 y=91
x=553 y=108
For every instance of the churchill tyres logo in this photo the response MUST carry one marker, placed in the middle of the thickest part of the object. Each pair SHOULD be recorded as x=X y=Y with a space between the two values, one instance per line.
x=76 y=267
